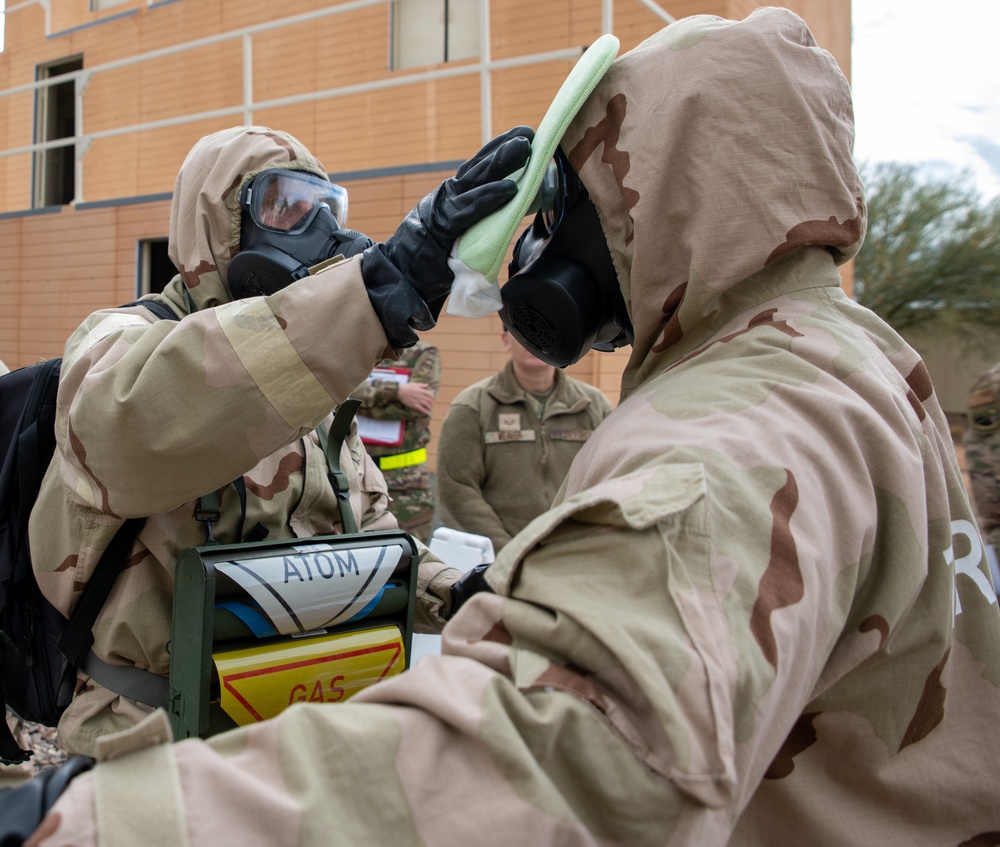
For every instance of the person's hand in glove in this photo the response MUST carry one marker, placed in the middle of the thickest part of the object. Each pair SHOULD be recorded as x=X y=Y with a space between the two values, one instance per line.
x=22 y=809
x=407 y=276
x=471 y=583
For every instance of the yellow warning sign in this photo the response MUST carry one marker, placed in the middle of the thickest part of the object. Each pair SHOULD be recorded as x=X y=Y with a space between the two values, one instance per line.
x=259 y=683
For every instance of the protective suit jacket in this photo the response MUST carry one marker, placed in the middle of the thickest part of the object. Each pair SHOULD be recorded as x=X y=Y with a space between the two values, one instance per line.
x=499 y=463
x=758 y=615
x=152 y=414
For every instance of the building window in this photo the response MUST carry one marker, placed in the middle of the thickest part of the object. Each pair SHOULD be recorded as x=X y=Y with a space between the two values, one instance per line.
x=96 y=5
x=426 y=32
x=55 y=118
x=155 y=267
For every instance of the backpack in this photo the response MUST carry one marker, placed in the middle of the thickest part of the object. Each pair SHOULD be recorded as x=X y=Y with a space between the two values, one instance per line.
x=40 y=649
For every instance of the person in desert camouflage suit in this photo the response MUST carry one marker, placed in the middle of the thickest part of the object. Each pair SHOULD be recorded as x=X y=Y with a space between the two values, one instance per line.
x=758 y=614
x=233 y=390
x=982 y=450
x=982 y=453
x=404 y=466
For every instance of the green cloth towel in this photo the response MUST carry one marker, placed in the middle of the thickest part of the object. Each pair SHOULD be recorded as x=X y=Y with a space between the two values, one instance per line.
x=480 y=251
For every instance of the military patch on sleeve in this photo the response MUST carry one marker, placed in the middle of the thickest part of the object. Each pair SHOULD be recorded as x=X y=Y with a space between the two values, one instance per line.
x=504 y=436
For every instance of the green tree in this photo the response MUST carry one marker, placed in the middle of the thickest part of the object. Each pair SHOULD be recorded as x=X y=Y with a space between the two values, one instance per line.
x=931 y=259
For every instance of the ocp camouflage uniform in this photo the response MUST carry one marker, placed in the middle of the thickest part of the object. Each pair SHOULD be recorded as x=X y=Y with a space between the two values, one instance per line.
x=503 y=454
x=982 y=451
x=758 y=614
x=152 y=414
x=404 y=466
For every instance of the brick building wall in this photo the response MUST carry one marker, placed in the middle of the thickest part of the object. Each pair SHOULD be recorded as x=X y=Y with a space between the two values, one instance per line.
x=156 y=76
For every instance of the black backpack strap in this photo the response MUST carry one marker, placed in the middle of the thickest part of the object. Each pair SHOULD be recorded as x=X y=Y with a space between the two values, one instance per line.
x=78 y=636
x=164 y=313
x=31 y=447
x=331 y=446
x=10 y=750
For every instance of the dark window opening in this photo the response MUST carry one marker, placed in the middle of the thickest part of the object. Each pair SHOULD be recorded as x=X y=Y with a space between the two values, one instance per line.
x=55 y=118
x=155 y=267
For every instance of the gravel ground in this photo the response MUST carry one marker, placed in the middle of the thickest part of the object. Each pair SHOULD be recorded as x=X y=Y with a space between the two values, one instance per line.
x=42 y=739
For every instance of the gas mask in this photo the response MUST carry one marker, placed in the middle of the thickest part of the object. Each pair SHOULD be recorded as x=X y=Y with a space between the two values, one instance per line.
x=562 y=296
x=291 y=221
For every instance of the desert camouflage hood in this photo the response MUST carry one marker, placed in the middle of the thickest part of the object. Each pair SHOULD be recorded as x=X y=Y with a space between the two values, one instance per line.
x=205 y=212
x=666 y=182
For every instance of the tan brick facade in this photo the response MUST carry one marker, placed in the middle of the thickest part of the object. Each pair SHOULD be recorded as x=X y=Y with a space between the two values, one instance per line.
x=158 y=75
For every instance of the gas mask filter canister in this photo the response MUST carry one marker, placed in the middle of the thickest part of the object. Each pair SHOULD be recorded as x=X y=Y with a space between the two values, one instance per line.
x=562 y=296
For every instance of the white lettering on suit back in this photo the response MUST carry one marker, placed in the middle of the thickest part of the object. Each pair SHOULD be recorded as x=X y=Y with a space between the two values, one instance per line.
x=969 y=563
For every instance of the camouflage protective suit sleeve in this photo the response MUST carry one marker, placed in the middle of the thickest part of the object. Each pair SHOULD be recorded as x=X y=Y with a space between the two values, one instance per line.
x=982 y=451
x=759 y=615
x=152 y=414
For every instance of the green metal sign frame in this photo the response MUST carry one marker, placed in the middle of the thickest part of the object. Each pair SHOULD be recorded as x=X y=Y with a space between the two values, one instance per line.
x=200 y=627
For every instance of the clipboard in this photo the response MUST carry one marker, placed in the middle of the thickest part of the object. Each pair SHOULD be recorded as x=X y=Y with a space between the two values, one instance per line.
x=378 y=433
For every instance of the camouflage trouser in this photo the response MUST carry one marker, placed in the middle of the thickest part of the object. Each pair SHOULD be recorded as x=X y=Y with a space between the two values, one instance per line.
x=412 y=500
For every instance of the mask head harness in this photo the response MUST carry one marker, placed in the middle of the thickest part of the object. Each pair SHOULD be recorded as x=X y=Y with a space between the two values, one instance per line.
x=291 y=220
x=562 y=296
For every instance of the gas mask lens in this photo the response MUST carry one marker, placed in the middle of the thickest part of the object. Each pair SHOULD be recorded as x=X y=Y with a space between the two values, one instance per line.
x=286 y=201
x=552 y=195
x=558 y=191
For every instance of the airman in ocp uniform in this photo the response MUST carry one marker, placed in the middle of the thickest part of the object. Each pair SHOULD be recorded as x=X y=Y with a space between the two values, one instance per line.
x=410 y=402
x=508 y=441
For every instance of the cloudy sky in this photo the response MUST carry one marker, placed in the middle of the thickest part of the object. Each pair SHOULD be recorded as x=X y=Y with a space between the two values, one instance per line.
x=927 y=86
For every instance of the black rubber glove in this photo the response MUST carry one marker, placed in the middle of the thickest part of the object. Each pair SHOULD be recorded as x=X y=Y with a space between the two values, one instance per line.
x=407 y=276
x=472 y=582
x=23 y=808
